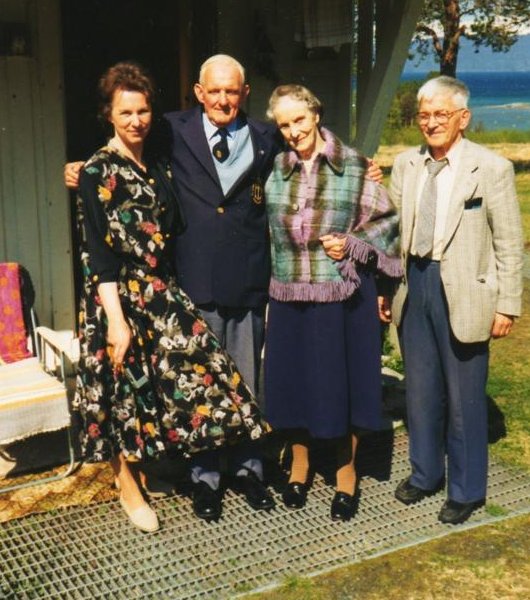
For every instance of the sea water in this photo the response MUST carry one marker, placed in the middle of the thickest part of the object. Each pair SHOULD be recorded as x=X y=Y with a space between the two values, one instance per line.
x=498 y=100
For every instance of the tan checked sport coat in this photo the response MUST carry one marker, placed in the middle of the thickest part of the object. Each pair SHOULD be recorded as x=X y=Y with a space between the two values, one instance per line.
x=481 y=264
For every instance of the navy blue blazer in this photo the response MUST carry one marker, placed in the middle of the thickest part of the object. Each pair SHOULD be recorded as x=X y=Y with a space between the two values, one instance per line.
x=223 y=255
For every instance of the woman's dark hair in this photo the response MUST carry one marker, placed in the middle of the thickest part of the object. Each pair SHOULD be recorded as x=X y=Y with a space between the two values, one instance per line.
x=129 y=76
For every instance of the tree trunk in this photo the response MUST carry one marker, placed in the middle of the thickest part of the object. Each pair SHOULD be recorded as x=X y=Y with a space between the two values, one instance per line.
x=452 y=32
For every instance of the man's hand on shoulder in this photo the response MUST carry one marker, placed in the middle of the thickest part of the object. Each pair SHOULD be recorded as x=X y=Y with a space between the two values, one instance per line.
x=374 y=171
x=502 y=325
x=71 y=174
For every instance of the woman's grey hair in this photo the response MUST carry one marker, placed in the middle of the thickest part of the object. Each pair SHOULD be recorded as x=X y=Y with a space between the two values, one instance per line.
x=445 y=86
x=296 y=92
x=224 y=59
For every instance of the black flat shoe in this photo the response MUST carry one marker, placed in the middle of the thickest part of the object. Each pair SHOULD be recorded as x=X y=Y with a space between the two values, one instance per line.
x=410 y=494
x=342 y=506
x=454 y=512
x=295 y=495
x=207 y=502
x=255 y=492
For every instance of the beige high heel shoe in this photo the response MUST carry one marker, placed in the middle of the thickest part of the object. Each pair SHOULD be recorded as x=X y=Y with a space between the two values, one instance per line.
x=143 y=517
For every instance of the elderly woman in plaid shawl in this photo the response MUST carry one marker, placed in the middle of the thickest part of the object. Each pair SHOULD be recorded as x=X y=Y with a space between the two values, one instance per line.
x=334 y=239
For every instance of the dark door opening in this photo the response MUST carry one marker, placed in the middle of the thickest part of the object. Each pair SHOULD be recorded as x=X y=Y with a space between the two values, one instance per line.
x=99 y=33
x=96 y=35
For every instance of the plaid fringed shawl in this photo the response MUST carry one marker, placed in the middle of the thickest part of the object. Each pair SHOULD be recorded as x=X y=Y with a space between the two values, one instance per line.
x=334 y=198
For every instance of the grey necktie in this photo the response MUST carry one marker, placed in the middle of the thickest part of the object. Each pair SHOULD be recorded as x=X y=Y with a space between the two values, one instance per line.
x=427 y=209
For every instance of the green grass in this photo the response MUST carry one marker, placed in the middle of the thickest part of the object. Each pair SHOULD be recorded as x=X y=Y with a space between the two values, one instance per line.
x=501 y=136
x=481 y=564
x=509 y=378
x=523 y=191
x=408 y=136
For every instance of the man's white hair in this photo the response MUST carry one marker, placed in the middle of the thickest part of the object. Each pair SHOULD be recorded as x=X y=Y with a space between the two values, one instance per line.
x=445 y=86
x=219 y=59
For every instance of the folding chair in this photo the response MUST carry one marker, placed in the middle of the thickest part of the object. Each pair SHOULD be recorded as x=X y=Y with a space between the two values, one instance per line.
x=33 y=395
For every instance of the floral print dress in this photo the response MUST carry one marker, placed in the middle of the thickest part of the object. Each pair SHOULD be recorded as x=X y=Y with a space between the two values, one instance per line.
x=178 y=391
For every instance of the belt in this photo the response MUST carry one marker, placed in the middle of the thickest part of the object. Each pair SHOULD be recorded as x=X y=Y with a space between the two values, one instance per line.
x=421 y=260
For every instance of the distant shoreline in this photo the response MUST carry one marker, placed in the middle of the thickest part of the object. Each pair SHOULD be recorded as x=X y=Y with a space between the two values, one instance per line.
x=423 y=74
x=513 y=106
x=385 y=155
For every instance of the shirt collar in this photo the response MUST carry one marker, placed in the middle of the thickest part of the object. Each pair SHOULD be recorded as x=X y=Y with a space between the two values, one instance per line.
x=332 y=153
x=211 y=130
x=452 y=156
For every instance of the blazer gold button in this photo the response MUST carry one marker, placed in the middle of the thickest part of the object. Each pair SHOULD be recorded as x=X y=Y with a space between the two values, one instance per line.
x=220 y=210
x=151 y=181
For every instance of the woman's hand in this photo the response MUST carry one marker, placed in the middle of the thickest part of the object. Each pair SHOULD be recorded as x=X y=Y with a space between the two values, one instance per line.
x=384 y=307
x=333 y=246
x=118 y=332
x=118 y=337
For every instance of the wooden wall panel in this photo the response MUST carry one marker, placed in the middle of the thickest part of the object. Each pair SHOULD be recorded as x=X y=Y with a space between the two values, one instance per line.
x=58 y=268
x=34 y=212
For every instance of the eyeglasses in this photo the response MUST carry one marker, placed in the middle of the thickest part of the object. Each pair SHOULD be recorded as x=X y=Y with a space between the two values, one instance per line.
x=440 y=116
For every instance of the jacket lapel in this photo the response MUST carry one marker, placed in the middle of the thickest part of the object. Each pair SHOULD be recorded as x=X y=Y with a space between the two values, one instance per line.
x=466 y=181
x=411 y=181
x=195 y=138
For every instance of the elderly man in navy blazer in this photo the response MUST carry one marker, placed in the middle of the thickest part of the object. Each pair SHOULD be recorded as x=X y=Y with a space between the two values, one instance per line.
x=220 y=159
x=462 y=249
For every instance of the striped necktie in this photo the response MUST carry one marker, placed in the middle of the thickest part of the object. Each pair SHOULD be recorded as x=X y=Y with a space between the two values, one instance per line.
x=427 y=209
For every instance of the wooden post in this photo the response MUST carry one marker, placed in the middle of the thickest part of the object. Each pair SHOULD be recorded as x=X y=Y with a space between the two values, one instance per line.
x=393 y=41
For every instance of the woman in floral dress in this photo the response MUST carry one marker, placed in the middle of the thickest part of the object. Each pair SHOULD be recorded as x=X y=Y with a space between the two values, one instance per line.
x=152 y=380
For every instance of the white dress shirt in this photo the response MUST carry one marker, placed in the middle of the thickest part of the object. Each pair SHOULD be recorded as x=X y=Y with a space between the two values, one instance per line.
x=444 y=186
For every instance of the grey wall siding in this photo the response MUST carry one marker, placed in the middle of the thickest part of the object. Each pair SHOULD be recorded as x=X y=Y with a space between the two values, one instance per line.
x=34 y=205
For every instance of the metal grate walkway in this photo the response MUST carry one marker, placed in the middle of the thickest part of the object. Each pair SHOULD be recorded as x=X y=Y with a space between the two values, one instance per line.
x=93 y=552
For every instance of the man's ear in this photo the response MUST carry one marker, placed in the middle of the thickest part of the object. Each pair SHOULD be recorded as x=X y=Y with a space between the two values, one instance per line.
x=199 y=92
x=245 y=92
x=465 y=118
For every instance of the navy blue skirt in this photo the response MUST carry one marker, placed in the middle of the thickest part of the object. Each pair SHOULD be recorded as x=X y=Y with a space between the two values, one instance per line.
x=323 y=364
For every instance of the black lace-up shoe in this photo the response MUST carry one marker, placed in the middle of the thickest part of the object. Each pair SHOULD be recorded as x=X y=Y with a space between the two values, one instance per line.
x=207 y=502
x=410 y=494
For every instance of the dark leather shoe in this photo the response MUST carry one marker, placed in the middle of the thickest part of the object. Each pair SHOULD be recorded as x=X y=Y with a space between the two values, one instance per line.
x=295 y=495
x=457 y=512
x=342 y=506
x=410 y=494
x=256 y=494
x=207 y=502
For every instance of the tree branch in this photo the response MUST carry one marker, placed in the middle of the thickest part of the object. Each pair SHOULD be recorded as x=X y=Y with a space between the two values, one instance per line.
x=435 y=39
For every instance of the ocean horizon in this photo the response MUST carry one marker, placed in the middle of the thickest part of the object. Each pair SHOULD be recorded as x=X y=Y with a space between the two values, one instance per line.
x=499 y=100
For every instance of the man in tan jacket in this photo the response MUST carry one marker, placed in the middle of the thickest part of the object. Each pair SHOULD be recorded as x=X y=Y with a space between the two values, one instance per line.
x=462 y=251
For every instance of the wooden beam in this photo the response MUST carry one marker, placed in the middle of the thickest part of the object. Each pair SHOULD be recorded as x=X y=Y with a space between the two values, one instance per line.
x=365 y=48
x=397 y=23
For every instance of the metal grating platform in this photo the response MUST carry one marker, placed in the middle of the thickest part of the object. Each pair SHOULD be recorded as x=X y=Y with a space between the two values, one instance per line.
x=93 y=552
